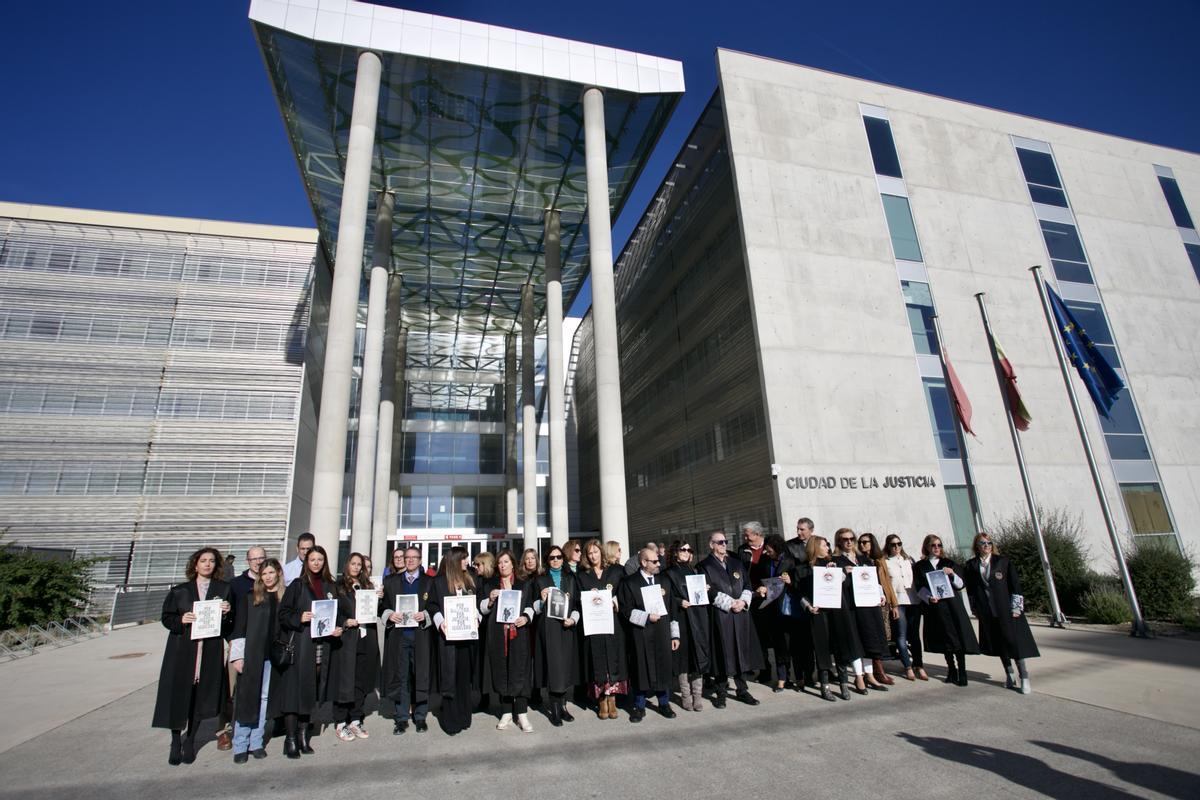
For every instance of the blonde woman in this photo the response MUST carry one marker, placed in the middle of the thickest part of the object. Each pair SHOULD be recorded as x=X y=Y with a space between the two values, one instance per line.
x=530 y=566
x=509 y=651
x=604 y=670
x=255 y=627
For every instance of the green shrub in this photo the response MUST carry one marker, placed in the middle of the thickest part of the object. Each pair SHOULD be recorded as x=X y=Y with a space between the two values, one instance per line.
x=1063 y=534
x=35 y=590
x=1105 y=604
x=1162 y=577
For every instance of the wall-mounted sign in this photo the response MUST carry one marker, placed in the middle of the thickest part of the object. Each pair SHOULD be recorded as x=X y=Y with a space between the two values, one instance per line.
x=860 y=482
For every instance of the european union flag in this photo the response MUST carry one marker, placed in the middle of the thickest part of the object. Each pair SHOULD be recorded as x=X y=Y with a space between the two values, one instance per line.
x=1101 y=380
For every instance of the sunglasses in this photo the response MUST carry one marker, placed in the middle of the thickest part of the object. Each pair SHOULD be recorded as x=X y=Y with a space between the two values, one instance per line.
x=985 y=543
x=936 y=546
x=847 y=539
x=556 y=558
x=718 y=541
x=895 y=544
x=651 y=560
x=685 y=549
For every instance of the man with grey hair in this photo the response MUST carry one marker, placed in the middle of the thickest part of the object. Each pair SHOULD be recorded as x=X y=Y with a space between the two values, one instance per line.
x=652 y=634
x=751 y=553
x=736 y=653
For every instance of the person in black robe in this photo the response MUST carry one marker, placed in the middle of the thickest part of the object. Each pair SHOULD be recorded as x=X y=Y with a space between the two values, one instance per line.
x=692 y=659
x=868 y=626
x=651 y=636
x=844 y=643
x=736 y=653
x=354 y=661
x=454 y=672
x=947 y=627
x=994 y=591
x=303 y=685
x=510 y=642
x=814 y=622
x=604 y=665
x=407 y=651
x=192 y=684
x=556 y=650
x=775 y=562
x=255 y=628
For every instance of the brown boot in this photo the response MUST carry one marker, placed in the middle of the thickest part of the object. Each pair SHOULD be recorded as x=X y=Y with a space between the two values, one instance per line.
x=880 y=675
x=685 y=692
x=697 y=694
x=612 y=706
x=602 y=707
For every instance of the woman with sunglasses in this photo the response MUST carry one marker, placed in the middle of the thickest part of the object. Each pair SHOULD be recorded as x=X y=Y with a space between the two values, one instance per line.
x=775 y=562
x=867 y=621
x=870 y=552
x=816 y=620
x=604 y=666
x=691 y=660
x=906 y=614
x=994 y=589
x=947 y=627
x=556 y=652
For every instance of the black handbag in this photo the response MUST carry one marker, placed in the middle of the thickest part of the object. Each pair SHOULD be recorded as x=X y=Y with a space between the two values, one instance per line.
x=283 y=652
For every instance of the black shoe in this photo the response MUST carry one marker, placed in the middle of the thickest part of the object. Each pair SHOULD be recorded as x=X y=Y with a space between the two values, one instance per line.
x=747 y=698
x=962 y=678
x=554 y=714
x=290 y=749
x=566 y=715
x=777 y=690
x=259 y=753
x=666 y=710
x=826 y=694
x=637 y=715
x=718 y=701
x=951 y=675
x=241 y=758
x=188 y=750
x=305 y=741
x=421 y=726
x=879 y=687
x=400 y=726
x=175 y=758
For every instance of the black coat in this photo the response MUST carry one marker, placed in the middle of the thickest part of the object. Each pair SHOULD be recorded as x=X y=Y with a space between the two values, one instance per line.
x=804 y=623
x=423 y=636
x=695 y=633
x=1000 y=633
x=509 y=649
x=257 y=625
x=299 y=692
x=447 y=653
x=648 y=646
x=556 y=653
x=868 y=620
x=176 y=678
x=354 y=657
x=603 y=654
x=735 y=644
x=947 y=626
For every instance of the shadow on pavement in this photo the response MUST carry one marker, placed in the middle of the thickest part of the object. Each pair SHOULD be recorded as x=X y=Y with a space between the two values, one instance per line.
x=1112 y=646
x=1032 y=773
x=1154 y=777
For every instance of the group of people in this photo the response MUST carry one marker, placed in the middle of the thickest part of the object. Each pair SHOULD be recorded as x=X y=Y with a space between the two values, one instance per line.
x=670 y=621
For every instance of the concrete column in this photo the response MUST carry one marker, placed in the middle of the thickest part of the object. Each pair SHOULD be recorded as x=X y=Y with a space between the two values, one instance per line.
x=329 y=466
x=555 y=382
x=614 y=519
x=382 y=525
x=510 y=434
x=528 y=418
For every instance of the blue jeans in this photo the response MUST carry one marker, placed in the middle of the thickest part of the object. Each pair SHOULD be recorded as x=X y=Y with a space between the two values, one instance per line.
x=246 y=738
x=901 y=624
x=639 y=700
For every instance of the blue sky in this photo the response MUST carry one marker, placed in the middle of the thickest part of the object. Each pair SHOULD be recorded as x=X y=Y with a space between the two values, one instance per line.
x=165 y=108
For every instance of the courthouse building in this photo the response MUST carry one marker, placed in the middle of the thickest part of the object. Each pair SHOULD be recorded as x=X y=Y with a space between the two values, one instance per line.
x=776 y=305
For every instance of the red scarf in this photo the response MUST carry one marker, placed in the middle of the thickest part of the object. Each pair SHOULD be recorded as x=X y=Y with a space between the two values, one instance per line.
x=510 y=629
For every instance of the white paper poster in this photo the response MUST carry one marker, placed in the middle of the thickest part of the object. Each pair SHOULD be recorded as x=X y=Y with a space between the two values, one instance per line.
x=558 y=604
x=406 y=607
x=597 y=612
x=208 y=619
x=508 y=606
x=366 y=606
x=324 y=618
x=652 y=599
x=697 y=589
x=867 y=591
x=939 y=584
x=827 y=587
x=458 y=612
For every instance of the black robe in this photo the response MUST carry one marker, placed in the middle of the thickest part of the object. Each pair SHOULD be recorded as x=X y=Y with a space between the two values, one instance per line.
x=772 y=625
x=735 y=644
x=603 y=654
x=299 y=692
x=947 y=626
x=868 y=620
x=649 y=646
x=695 y=636
x=258 y=625
x=509 y=649
x=809 y=632
x=844 y=644
x=175 y=679
x=422 y=639
x=556 y=653
x=447 y=653
x=354 y=657
x=1000 y=634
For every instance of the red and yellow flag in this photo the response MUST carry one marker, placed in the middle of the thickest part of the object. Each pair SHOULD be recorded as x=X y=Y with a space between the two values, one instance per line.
x=1021 y=415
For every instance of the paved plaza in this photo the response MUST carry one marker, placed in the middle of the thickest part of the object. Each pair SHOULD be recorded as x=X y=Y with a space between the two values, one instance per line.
x=1110 y=717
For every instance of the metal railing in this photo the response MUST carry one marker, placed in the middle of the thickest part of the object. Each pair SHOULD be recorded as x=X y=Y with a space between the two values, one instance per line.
x=16 y=644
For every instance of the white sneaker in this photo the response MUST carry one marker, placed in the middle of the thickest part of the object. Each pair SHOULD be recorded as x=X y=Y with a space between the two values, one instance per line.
x=358 y=730
x=523 y=723
x=344 y=733
x=505 y=721
x=1026 y=686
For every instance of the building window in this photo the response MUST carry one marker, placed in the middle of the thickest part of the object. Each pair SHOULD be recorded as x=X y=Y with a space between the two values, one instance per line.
x=1193 y=251
x=1042 y=178
x=900 y=225
x=883 y=147
x=919 y=304
x=962 y=518
x=1066 y=252
x=1174 y=197
x=1147 y=508
x=941 y=417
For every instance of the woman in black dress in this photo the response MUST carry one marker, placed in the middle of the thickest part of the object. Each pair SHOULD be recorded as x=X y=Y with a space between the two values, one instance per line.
x=868 y=620
x=302 y=686
x=691 y=659
x=815 y=622
x=604 y=667
x=556 y=652
x=843 y=629
x=947 y=627
x=255 y=627
x=871 y=554
x=509 y=644
x=775 y=563
x=354 y=671
x=192 y=684
x=994 y=590
x=455 y=660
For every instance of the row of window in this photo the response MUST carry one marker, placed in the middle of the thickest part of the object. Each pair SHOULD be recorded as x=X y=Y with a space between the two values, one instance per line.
x=453 y=453
x=145 y=401
x=1179 y=211
x=30 y=477
x=731 y=434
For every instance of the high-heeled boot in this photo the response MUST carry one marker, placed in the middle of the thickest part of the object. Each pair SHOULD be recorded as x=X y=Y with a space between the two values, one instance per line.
x=825 y=693
x=175 y=758
x=685 y=692
x=289 y=747
x=305 y=739
x=842 y=680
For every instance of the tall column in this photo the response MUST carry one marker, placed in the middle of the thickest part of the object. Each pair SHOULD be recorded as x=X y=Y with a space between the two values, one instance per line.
x=614 y=518
x=372 y=368
x=510 y=434
x=383 y=525
x=329 y=467
x=555 y=383
x=528 y=418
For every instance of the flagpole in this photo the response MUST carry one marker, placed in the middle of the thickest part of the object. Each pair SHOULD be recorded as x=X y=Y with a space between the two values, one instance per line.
x=1139 y=623
x=1057 y=618
x=972 y=495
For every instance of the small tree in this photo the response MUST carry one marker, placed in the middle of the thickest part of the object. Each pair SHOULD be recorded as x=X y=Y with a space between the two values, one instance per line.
x=1162 y=577
x=1063 y=534
x=36 y=590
